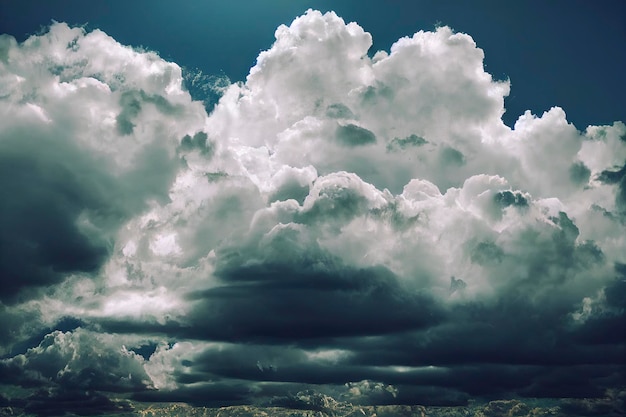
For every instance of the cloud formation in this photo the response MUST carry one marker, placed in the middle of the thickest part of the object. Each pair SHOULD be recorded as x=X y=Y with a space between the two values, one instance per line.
x=365 y=226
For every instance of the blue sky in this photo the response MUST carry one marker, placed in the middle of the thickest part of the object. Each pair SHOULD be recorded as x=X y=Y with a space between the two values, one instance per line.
x=568 y=53
x=353 y=218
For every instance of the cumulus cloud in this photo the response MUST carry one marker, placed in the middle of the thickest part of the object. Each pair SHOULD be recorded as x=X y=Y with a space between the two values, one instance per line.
x=79 y=360
x=90 y=136
x=364 y=226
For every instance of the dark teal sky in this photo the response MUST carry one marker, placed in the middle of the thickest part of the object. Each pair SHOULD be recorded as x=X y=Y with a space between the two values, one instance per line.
x=569 y=53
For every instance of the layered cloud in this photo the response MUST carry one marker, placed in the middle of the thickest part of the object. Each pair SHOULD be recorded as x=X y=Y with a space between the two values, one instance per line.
x=364 y=225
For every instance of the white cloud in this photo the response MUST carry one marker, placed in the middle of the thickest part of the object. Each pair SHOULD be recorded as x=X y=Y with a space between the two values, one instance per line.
x=80 y=360
x=324 y=161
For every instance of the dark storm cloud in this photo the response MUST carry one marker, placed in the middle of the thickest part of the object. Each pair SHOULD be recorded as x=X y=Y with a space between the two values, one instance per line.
x=505 y=334
x=516 y=345
x=291 y=303
x=509 y=347
x=60 y=209
x=604 y=328
x=375 y=233
x=40 y=240
x=286 y=290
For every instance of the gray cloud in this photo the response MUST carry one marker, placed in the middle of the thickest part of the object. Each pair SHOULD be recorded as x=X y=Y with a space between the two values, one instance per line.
x=305 y=300
x=43 y=199
x=353 y=135
x=373 y=233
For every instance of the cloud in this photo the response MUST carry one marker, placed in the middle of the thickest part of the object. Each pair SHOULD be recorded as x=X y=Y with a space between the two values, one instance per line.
x=78 y=360
x=90 y=137
x=364 y=227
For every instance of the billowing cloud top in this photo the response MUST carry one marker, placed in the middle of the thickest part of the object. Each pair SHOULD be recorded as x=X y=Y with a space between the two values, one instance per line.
x=364 y=226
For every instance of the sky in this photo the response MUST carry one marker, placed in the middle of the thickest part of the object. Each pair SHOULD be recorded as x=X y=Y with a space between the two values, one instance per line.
x=559 y=52
x=382 y=203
